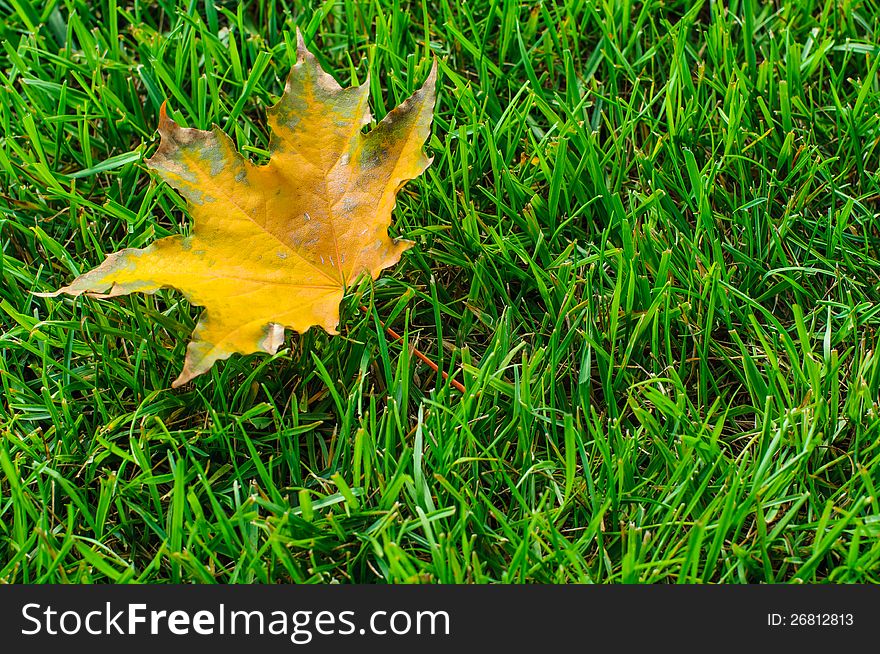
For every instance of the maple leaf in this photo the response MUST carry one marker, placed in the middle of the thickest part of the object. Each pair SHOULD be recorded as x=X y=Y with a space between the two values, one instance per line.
x=275 y=246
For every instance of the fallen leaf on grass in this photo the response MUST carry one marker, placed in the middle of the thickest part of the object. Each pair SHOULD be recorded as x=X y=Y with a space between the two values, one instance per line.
x=275 y=246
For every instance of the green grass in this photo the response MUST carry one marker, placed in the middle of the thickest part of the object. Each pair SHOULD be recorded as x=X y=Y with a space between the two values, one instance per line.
x=648 y=246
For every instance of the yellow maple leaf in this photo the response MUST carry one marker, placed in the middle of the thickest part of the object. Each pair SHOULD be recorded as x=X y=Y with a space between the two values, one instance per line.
x=275 y=246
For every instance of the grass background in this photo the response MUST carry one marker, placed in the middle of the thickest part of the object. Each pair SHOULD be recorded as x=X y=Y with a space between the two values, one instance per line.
x=648 y=247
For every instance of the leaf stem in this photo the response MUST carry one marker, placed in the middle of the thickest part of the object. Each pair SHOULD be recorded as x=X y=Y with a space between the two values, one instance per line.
x=425 y=359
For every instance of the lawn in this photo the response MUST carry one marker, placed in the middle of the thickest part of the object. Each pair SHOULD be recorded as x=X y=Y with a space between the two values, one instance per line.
x=648 y=249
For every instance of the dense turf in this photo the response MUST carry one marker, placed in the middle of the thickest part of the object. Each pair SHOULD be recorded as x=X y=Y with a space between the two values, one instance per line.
x=648 y=247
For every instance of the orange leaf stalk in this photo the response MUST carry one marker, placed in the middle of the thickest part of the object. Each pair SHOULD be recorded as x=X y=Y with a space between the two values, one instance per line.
x=424 y=359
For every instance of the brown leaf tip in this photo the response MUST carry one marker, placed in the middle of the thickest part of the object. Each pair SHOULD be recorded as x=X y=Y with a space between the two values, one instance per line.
x=172 y=137
x=167 y=126
x=429 y=88
x=302 y=53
